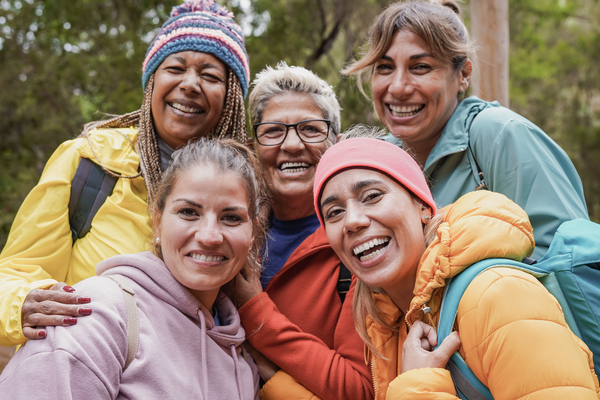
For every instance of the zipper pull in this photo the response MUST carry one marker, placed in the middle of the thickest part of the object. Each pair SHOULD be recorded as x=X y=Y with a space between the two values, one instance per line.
x=425 y=309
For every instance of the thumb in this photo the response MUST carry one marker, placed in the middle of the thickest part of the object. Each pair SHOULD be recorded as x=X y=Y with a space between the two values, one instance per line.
x=449 y=346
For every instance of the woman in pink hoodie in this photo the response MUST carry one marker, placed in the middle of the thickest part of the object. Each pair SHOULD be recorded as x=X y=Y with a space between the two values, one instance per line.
x=206 y=230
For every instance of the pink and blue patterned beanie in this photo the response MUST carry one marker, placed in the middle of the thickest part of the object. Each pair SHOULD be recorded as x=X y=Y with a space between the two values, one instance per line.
x=205 y=26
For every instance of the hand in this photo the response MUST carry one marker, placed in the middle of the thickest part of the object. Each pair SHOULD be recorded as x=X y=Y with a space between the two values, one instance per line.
x=246 y=287
x=417 y=349
x=266 y=368
x=56 y=306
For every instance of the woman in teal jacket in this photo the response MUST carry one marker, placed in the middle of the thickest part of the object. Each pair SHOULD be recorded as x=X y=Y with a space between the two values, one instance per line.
x=420 y=56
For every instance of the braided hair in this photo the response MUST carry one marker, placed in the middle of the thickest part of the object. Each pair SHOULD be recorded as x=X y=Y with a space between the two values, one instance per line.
x=231 y=125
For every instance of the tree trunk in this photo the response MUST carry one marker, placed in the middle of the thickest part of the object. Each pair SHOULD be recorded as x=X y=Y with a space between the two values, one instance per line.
x=489 y=27
x=6 y=354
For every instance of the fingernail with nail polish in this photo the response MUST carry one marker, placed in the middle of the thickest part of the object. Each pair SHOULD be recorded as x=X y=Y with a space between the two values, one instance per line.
x=83 y=300
x=84 y=311
x=68 y=289
x=70 y=320
x=42 y=334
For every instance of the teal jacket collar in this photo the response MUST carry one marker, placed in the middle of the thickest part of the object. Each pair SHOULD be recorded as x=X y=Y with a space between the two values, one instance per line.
x=455 y=136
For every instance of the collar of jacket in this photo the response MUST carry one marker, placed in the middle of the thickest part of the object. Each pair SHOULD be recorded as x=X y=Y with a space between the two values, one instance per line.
x=115 y=148
x=455 y=136
x=478 y=226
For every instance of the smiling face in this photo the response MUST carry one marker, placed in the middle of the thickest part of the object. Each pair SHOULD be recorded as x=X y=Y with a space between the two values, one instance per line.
x=415 y=94
x=375 y=227
x=205 y=230
x=290 y=167
x=188 y=97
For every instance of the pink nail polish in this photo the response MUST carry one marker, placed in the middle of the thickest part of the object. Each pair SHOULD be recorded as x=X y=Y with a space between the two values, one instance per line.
x=68 y=289
x=84 y=311
x=70 y=320
x=83 y=300
x=42 y=334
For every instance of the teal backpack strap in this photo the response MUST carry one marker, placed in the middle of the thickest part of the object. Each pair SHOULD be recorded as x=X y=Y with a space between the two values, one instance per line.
x=468 y=386
x=133 y=326
x=90 y=187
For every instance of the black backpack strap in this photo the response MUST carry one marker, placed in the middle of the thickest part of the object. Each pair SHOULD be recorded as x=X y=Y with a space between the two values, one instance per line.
x=89 y=189
x=344 y=281
x=473 y=160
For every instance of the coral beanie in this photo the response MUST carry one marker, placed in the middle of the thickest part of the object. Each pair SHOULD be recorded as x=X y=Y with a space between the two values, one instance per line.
x=374 y=154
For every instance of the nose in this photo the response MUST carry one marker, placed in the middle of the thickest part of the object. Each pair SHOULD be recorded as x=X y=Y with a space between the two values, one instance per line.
x=356 y=219
x=292 y=142
x=401 y=85
x=190 y=82
x=208 y=232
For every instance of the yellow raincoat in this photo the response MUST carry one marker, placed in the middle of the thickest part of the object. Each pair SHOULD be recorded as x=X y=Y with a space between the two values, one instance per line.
x=40 y=252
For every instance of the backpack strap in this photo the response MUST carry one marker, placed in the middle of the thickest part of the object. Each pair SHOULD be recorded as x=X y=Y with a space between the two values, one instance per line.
x=89 y=189
x=344 y=281
x=465 y=381
x=133 y=328
x=473 y=161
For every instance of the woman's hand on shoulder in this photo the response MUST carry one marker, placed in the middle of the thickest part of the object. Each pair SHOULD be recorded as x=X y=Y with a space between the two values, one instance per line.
x=417 y=351
x=55 y=306
x=246 y=287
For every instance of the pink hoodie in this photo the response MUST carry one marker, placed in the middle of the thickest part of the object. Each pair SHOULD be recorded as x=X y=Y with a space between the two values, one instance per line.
x=181 y=353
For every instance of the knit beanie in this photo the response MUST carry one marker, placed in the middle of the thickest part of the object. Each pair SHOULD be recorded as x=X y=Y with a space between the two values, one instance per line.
x=374 y=154
x=204 y=26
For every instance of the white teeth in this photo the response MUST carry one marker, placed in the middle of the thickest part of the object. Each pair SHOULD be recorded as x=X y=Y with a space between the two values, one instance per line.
x=202 y=257
x=371 y=255
x=370 y=244
x=294 y=166
x=185 y=108
x=405 y=111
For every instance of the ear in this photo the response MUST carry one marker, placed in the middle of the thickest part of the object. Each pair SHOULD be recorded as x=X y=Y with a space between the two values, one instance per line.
x=464 y=75
x=338 y=137
x=426 y=214
x=250 y=144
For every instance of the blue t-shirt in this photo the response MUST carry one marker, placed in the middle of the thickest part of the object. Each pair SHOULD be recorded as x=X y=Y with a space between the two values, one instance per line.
x=283 y=238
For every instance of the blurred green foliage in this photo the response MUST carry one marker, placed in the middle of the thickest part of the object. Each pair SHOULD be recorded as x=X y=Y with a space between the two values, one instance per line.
x=64 y=63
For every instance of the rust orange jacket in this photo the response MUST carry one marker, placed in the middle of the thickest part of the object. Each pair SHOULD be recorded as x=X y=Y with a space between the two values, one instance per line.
x=513 y=332
x=301 y=325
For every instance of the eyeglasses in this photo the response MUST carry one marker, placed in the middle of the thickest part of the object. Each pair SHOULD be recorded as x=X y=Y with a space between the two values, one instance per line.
x=309 y=131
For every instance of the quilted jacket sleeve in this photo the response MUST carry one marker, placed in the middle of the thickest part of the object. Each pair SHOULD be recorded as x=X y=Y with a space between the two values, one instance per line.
x=38 y=250
x=515 y=339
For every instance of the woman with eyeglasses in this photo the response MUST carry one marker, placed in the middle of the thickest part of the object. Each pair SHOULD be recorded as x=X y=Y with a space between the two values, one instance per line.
x=301 y=322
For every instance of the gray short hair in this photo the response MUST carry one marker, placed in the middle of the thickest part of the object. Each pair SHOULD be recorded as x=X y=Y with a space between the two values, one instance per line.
x=282 y=79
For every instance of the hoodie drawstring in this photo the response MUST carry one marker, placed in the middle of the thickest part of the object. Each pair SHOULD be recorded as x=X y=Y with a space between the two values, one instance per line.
x=204 y=352
x=237 y=369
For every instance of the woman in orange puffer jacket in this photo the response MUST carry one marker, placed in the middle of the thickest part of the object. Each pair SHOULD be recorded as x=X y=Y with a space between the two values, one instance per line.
x=376 y=208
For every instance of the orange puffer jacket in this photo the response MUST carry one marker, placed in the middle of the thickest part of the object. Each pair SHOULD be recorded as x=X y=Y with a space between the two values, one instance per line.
x=513 y=332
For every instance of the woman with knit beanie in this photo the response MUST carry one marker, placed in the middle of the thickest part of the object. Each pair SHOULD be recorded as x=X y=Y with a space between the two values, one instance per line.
x=376 y=208
x=195 y=78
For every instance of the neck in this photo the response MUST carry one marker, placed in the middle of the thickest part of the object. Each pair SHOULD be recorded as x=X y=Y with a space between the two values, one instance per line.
x=289 y=209
x=421 y=149
x=402 y=294
x=206 y=297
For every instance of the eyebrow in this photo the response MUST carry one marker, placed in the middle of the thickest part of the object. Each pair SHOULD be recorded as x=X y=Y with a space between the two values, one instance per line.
x=226 y=209
x=417 y=56
x=354 y=187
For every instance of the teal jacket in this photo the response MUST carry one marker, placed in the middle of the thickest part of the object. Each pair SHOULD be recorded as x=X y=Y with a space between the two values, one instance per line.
x=517 y=159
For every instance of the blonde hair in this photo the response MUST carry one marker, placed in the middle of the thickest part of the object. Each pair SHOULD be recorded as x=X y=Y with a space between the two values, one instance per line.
x=363 y=303
x=223 y=155
x=232 y=124
x=282 y=79
x=436 y=22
